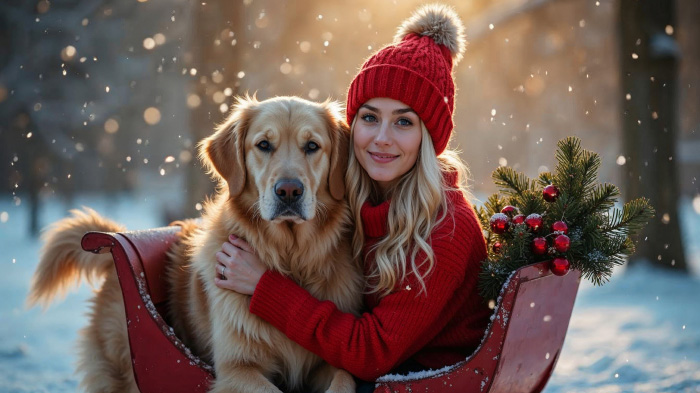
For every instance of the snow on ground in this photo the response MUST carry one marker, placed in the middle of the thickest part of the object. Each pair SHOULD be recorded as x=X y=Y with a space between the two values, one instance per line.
x=638 y=333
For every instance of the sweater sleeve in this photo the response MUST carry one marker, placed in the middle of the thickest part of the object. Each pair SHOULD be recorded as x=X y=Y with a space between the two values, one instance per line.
x=367 y=346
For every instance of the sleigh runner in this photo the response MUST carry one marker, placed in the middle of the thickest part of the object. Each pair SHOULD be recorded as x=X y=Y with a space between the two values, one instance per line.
x=518 y=353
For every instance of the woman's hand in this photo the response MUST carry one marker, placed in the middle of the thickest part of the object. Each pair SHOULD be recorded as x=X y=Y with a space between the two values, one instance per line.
x=239 y=268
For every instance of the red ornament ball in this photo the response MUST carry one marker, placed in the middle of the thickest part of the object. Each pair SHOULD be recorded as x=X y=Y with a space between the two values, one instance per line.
x=518 y=219
x=499 y=223
x=509 y=210
x=559 y=266
x=560 y=226
x=539 y=246
x=496 y=247
x=550 y=193
x=561 y=243
x=534 y=222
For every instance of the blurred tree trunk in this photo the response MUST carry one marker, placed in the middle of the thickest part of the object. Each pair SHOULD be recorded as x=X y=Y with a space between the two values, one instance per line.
x=649 y=64
x=216 y=26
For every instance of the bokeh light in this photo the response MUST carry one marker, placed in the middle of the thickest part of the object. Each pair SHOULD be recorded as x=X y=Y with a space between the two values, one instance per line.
x=151 y=115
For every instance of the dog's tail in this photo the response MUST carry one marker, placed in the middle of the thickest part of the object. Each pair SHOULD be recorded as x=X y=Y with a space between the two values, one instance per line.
x=63 y=262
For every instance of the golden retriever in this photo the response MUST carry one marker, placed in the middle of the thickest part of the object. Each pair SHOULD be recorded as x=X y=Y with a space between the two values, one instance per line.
x=281 y=165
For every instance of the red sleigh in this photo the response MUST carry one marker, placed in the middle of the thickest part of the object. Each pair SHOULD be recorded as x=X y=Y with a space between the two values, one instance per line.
x=518 y=353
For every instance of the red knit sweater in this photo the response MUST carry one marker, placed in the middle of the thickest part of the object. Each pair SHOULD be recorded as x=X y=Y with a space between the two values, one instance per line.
x=435 y=329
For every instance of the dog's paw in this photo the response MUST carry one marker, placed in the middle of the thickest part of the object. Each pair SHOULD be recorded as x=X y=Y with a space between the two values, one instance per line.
x=342 y=382
x=243 y=380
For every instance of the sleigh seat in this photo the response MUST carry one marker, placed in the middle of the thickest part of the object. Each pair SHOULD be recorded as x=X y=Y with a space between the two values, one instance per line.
x=518 y=353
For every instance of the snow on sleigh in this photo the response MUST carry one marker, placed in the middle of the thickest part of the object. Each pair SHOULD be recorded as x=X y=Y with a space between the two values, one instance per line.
x=518 y=353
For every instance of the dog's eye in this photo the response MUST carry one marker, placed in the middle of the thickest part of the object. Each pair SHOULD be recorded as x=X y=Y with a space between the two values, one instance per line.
x=311 y=147
x=264 y=146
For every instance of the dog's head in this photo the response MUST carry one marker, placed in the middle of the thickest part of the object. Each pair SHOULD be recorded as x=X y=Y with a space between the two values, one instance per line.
x=288 y=153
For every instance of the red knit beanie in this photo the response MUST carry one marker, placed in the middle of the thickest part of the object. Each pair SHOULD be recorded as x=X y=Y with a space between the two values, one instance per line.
x=417 y=70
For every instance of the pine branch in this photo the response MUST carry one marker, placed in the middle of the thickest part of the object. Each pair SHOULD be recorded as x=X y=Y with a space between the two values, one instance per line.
x=565 y=207
x=483 y=216
x=629 y=247
x=633 y=216
x=491 y=280
x=638 y=213
x=510 y=182
x=531 y=202
x=601 y=198
x=545 y=179
x=567 y=155
x=494 y=204
x=590 y=164
x=598 y=276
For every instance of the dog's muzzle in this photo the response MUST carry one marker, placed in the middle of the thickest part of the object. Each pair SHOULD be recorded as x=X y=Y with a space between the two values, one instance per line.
x=290 y=194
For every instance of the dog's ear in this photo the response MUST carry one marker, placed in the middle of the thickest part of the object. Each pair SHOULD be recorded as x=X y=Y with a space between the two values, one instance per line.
x=340 y=140
x=223 y=153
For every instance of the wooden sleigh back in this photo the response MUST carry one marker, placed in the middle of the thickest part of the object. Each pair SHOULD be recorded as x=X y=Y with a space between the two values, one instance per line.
x=518 y=353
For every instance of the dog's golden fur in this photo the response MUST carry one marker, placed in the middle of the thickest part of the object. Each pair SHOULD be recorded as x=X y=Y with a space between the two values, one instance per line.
x=306 y=238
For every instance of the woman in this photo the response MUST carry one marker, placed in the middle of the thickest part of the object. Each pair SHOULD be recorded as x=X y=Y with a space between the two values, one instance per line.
x=416 y=235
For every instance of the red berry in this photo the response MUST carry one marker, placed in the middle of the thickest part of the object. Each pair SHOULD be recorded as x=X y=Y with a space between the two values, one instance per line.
x=534 y=222
x=560 y=226
x=509 y=210
x=559 y=266
x=561 y=243
x=496 y=247
x=539 y=246
x=518 y=219
x=550 y=193
x=499 y=223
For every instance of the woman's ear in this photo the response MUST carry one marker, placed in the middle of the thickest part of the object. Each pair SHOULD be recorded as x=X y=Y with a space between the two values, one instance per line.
x=223 y=153
x=340 y=141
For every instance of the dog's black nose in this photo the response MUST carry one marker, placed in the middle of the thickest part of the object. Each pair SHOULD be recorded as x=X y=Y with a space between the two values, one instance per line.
x=289 y=190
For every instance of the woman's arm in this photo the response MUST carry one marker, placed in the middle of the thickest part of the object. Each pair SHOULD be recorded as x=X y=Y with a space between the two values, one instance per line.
x=367 y=346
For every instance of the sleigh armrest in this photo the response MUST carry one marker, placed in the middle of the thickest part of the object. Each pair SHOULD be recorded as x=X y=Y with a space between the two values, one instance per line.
x=160 y=361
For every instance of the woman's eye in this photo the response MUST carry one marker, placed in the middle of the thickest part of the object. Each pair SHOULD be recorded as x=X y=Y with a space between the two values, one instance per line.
x=311 y=147
x=369 y=118
x=264 y=146
x=404 y=122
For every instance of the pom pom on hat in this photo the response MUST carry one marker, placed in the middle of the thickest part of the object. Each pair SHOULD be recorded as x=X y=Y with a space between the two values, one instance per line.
x=440 y=23
x=416 y=69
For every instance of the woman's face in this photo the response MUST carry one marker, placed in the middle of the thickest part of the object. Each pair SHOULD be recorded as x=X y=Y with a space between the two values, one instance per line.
x=386 y=139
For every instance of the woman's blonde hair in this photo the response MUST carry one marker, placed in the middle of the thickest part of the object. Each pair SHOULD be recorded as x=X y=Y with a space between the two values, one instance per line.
x=418 y=205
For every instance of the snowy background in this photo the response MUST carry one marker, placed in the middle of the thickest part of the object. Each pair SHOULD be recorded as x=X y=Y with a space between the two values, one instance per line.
x=638 y=333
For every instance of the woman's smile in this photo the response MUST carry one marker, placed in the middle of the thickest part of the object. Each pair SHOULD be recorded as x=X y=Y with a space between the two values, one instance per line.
x=383 y=158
